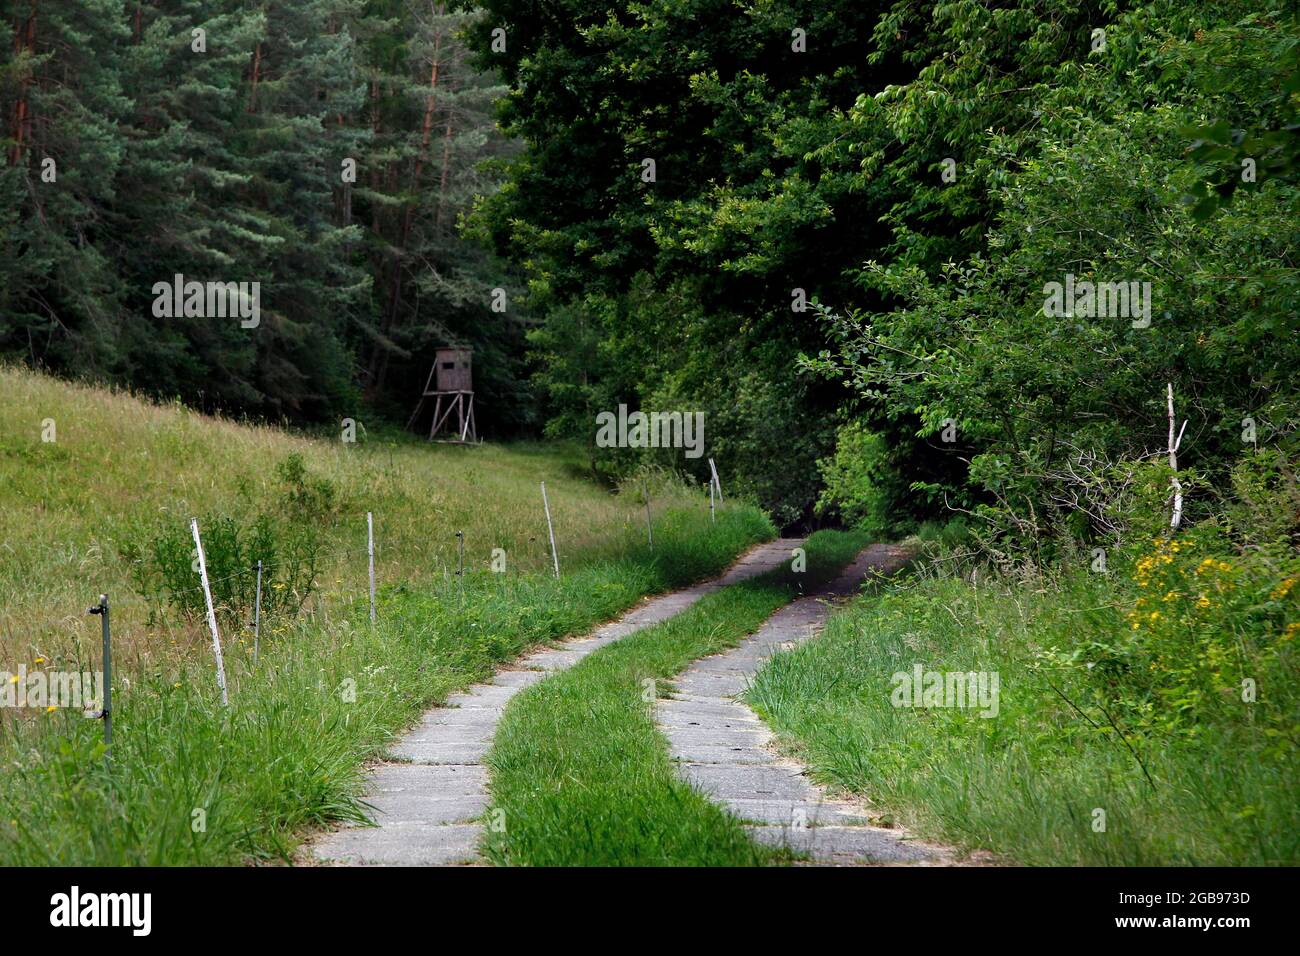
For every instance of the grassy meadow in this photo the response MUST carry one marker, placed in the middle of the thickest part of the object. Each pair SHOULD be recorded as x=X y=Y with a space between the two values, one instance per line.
x=1111 y=745
x=190 y=782
x=120 y=468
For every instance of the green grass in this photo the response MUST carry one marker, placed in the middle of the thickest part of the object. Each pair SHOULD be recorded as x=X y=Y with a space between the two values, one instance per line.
x=288 y=752
x=121 y=468
x=192 y=783
x=580 y=770
x=1025 y=783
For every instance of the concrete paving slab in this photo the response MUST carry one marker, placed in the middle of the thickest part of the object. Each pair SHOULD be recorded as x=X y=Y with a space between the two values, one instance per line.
x=441 y=752
x=426 y=807
x=405 y=845
x=735 y=782
x=704 y=753
x=842 y=845
x=519 y=679
x=795 y=814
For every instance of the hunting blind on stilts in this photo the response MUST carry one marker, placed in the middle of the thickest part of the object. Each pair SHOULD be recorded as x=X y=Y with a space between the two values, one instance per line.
x=451 y=385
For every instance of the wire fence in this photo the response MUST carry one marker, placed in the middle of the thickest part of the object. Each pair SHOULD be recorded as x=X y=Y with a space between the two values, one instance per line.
x=321 y=560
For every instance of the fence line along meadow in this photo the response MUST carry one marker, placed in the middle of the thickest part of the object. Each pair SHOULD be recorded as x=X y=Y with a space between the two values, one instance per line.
x=102 y=607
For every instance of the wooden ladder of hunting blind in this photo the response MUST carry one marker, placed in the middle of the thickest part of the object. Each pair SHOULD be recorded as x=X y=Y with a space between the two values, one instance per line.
x=451 y=385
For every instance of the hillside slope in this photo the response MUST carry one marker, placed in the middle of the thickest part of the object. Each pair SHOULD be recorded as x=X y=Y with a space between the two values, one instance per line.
x=119 y=470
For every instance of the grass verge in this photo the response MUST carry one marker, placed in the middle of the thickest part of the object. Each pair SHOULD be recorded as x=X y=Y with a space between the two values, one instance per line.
x=192 y=783
x=1050 y=780
x=582 y=773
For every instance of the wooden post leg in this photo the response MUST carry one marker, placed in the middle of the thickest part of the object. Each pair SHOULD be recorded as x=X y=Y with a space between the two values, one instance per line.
x=437 y=411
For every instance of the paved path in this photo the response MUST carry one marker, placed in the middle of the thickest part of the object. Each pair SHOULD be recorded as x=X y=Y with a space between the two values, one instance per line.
x=724 y=750
x=429 y=796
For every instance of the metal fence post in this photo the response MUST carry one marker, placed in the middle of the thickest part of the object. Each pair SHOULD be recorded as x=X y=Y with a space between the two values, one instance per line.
x=257 y=614
x=106 y=714
x=460 y=563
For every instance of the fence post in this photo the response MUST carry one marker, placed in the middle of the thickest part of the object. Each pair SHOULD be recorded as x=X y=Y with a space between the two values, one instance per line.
x=370 y=550
x=649 y=527
x=257 y=614
x=212 y=614
x=550 y=530
x=712 y=516
x=460 y=563
x=106 y=713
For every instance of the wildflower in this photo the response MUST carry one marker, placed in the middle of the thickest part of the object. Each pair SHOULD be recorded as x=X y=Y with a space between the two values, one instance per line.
x=1282 y=589
x=51 y=709
x=40 y=660
x=1204 y=602
x=1154 y=616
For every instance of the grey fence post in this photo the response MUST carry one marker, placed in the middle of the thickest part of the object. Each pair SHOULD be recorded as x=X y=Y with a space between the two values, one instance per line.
x=460 y=563
x=257 y=614
x=106 y=714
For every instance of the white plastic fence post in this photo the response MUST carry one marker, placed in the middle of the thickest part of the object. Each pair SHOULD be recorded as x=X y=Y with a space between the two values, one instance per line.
x=550 y=530
x=649 y=527
x=212 y=614
x=370 y=549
